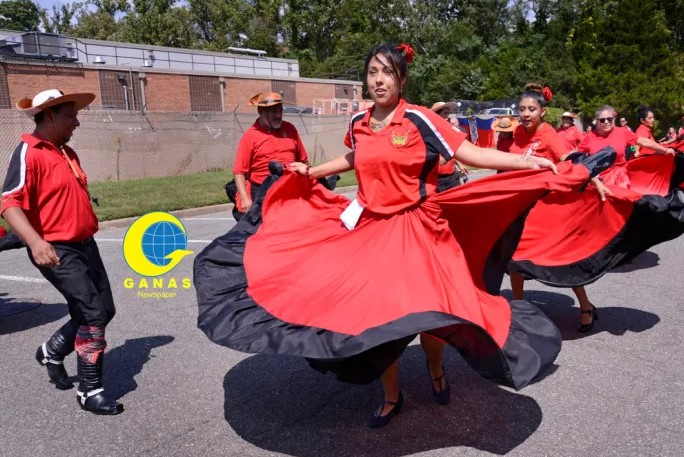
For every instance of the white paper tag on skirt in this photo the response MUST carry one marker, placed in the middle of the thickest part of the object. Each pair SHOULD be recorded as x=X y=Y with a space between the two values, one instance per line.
x=351 y=215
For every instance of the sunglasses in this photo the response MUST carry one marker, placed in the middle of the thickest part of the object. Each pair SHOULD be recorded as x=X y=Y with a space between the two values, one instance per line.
x=605 y=120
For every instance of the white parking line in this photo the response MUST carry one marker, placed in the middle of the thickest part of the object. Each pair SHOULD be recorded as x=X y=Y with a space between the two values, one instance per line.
x=208 y=219
x=23 y=279
x=120 y=240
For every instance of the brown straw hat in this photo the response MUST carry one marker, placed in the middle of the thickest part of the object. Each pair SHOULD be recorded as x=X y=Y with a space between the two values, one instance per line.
x=266 y=99
x=53 y=97
x=505 y=124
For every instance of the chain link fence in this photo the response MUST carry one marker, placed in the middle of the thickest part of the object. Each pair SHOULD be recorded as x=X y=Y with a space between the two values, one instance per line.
x=120 y=145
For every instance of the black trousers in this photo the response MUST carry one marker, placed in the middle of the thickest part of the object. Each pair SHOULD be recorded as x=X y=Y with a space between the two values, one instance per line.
x=255 y=188
x=82 y=279
x=446 y=182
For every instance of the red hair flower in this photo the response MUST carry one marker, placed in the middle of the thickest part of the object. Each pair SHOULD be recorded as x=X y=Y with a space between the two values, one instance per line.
x=407 y=51
x=546 y=92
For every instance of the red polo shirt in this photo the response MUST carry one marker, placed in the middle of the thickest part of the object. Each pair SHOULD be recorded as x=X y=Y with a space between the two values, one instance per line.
x=571 y=135
x=42 y=183
x=618 y=138
x=260 y=145
x=645 y=132
x=397 y=166
x=545 y=142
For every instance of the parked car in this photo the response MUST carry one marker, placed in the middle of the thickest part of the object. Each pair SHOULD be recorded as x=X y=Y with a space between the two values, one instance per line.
x=297 y=109
x=500 y=111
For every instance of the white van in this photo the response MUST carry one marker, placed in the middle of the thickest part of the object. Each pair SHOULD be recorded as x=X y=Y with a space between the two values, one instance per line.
x=500 y=111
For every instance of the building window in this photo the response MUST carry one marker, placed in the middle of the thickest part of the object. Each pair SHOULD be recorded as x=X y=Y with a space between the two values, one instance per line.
x=287 y=89
x=120 y=90
x=205 y=93
x=5 y=102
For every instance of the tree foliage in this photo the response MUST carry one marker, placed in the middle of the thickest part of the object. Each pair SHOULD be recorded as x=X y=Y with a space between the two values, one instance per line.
x=590 y=52
x=22 y=15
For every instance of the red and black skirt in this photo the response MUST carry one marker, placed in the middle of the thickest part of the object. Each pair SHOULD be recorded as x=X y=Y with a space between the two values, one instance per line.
x=574 y=239
x=289 y=278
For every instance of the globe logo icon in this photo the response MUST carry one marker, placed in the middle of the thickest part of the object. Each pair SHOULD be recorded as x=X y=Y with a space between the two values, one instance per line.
x=161 y=239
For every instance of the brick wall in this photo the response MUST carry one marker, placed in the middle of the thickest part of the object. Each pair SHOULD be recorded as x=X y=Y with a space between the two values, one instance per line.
x=28 y=80
x=308 y=92
x=239 y=91
x=163 y=91
x=166 y=92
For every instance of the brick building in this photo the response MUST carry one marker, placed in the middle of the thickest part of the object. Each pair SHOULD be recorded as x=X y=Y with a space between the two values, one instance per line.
x=127 y=76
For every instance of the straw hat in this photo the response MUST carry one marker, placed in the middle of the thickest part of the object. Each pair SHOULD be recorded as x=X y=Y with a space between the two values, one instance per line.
x=438 y=106
x=53 y=97
x=265 y=99
x=569 y=114
x=505 y=124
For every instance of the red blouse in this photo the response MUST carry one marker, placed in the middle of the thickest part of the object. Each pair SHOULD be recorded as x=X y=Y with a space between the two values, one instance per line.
x=618 y=138
x=645 y=132
x=544 y=142
x=397 y=167
x=571 y=135
x=260 y=145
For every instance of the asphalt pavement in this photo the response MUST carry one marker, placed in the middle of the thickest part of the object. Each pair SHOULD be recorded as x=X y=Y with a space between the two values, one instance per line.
x=617 y=391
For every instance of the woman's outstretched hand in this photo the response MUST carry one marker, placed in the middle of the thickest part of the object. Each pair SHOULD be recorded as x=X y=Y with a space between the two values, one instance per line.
x=536 y=163
x=299 y=167
x=601 y=188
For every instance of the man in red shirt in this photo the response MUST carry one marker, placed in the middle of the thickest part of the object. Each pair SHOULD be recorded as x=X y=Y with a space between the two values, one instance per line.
x=504 y=126
x=449 y=172
x=46 y=202
x=268 y=139
x=568 y=131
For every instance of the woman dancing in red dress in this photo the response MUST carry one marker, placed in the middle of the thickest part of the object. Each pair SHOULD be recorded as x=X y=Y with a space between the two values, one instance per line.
x=348 y=285
x=535 y=137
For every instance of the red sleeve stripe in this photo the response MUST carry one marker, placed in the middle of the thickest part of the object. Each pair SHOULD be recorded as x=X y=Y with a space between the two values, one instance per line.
x=432 y=127
x=16 y=173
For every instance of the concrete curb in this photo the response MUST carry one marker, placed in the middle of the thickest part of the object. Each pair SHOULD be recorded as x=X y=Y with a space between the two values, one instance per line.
x=190 y=212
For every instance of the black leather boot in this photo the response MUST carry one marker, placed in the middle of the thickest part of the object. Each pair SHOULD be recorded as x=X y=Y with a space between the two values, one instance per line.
x=90 y=394
x=51 y=354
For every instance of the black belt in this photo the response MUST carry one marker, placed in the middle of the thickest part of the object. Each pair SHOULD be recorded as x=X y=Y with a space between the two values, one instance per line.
x=83 y=241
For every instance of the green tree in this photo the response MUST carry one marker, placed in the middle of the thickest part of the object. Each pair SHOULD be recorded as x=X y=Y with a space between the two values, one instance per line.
x=97 y=19
x=20 y=15
x=221 y=24
x=624 y=58
x=157 y=22
x=61 y=18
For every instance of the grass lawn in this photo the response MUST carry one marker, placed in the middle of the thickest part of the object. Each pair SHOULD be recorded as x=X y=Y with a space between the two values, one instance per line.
x=119 y=199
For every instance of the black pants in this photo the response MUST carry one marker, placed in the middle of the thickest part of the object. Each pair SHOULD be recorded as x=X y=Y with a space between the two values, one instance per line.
x=82 y=280
x=446 y=182
x=255 y=188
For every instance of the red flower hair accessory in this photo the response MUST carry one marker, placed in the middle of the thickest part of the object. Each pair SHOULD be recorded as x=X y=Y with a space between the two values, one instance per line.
x=546 y=92
x=407 y=51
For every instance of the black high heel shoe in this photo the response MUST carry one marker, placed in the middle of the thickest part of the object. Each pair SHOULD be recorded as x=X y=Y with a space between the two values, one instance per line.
x=377 y=421
x=584 y=328
x=443 y=396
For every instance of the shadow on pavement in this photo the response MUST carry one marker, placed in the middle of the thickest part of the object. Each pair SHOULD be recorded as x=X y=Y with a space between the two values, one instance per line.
x=280 y=404
x=615 y=320
x=124 y=362
x=17 y=316
x=645 y=260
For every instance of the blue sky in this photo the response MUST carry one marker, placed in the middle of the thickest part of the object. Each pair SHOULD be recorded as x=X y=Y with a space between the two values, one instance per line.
x=47 y=4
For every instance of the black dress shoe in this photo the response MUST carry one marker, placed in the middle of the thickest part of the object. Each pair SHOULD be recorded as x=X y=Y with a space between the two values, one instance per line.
x=584 y=328
x=55 y=368
x=96 y=402
x=441 y=396
x=377 y=421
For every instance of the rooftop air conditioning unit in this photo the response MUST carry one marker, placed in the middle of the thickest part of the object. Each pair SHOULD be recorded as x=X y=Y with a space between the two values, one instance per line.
x=43 y=46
